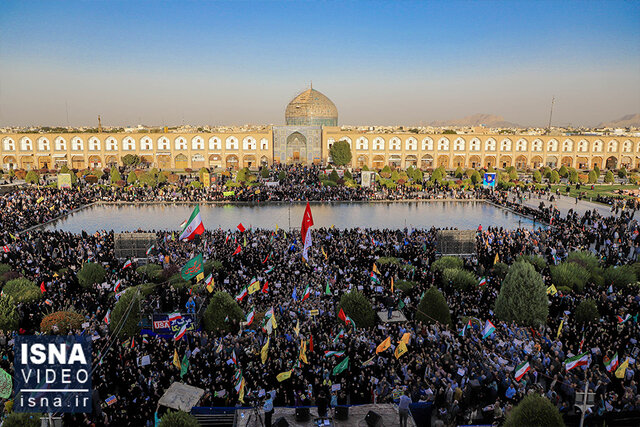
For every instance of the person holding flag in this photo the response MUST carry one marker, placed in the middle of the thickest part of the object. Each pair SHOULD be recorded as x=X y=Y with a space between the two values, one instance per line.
x=305 y=231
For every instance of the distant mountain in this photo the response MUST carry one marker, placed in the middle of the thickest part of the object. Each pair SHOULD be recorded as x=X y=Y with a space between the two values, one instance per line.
x=630 y=120
x=489 y=120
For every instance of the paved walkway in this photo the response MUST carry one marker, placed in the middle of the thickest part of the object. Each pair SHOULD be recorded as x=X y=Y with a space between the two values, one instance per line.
x=565 y=203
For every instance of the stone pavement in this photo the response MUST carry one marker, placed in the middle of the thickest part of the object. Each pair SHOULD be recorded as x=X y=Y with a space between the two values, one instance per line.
x=565 y=203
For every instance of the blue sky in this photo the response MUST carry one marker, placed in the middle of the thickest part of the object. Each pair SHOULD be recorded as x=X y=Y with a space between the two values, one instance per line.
x=236 y=62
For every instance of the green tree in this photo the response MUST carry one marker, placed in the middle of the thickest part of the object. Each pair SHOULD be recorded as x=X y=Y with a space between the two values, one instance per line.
x=596 y=169
x=222 y=305
x=537 y=176
x=8 y=314
x=131 y=160
x=32 y=177
x=264 y=172
x=570 y=275
x=622 y=172
x=593 y=177
x=132 y=178
x=446 y=262
x=523 y=296
x=90 y=274
x=534 y=411
x=115 y=175
x=433 y=307
x=563 y=172
x=148 y=179
x=476 y=178
x=22 y=290
x=573 y=176
x=513 y=174
x=460 y=279
x=608 y=177
x=333 y=176
x=587 y=312
x=125 y=316
x=459 y=172
x=22 y=419
x=385 y=172
x=282 y=176
x=178 y=419
x=619 y=276
x=358 y=307
x=536 y=260
x=554 y=178
x=340 y=153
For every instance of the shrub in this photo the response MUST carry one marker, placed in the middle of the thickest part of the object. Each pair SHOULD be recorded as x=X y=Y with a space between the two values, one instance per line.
x=554 y=178
x=147 y=288
x=563 y=172
x=523 y=296
x=446 y=262
x=132 y=178
x=177 y=282
x=8 y=314
x=125 y=316
x=178 y=419
x=619 y=276
x=220 y=306
x=385 y=172
x=196 y=184
x=148 y=179
x=404 y=285
x=162 y=178
x=500 y=270
x=264 y=172
x=593 y=177
x=210 y=265
x=622 y=172
x=536 y=260
x=388 y=260
x=22 y=290
x=152 y=271
x=358 y=307
x=4 y=268
x=608 y=177
x=460 y=279
x=115 y=175
x=64 y=320
x=21 y=173
x=587 y=312
x=91 y=179
x=22 y=419
x=32 y=177
x=90 y=274
x=534 y=411
x=573 y=176
x=590 y=263
x=282 y=176
x=433 y=307
x=570 y=275
x=537 y=176
x=173 y=178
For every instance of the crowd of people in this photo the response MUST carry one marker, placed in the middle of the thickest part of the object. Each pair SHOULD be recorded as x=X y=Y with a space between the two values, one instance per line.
x=465 y=377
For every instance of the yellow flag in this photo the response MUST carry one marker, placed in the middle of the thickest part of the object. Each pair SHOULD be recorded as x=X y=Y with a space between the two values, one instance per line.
x=241 y=394
x=176 y=359
x=333 y=226
x=406 y=338
x=273 y=322
x=551 y=290
x=622 y=369
x=200 y=277
x=384 y=345
x=245 y=242
x=375 y=268
x=303 y=351
x=560 y=329
x=254 y=287
x=283 y=376
x=265 y=351
x=210 y=286
x=296 y=329
x=173 y=235
x=391 y=284
x=324 y=253
x=400 y=349
x=276 y=227
x=496 y=259
x=40 y=199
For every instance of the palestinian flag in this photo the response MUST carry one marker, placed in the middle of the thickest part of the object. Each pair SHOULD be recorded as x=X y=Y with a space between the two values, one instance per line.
x=241 y=295
x=465 y=327
x=305 y=231
x=333 y=353
x=369 y=362
x=269 y=270
x=194 y=225
x=521 y=370
x=342 y=316
x=374 y=278
x=250 y=316
x=488 y=330
x=117 y=286
x=268 y=313
x=127 y=264
x=209 y=282
x=349 y=321
x=178 y=336
x=340 y=335
x=612 y=364
x=575 y=361
x=145 y=341
x=237 y=251
x=307 y=292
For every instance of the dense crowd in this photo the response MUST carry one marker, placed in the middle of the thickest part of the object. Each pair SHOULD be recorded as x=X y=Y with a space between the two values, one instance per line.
x=466 y=378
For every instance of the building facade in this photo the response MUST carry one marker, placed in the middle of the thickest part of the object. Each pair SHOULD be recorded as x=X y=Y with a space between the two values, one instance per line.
x=310 y=132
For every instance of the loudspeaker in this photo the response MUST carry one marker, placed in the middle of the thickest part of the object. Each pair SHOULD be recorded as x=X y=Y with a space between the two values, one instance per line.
x=373 y=419
x=342 y=413
x=302 y=414
x=280 y=422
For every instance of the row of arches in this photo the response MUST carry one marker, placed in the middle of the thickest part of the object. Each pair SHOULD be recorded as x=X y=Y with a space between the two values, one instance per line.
x=129 y=143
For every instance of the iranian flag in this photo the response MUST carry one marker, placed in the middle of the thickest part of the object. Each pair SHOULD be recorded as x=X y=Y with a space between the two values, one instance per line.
x=174 y=316
x=307 y=292
x=521 y=370
x=241 y=295
x=305 y=230
x=194 y=225
x=622 y=320
x=575 y=361
x=180 y=333
x=117 y=286
x=333 y=353
x=612 y=364
x=127 y=264
x=250 y=316
x=107 y=317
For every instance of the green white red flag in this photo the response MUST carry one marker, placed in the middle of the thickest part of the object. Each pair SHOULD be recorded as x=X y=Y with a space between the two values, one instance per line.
x=521 y=370
x=575 y=361
x=194 y=225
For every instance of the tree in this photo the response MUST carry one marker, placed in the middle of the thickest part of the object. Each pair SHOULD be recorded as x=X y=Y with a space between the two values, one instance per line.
x=22 y=419
x=32 y=177
x=446 y=262
x=22 y=290
x=131 y=160
x=8 y=314
x=264 y=172
x=587 y=312
x=115 y=175
x=573 y=176
x=593 y=177
x=333 y=176
x=554 y=178
x=282 y=176
x=608 y=177
x=619 y=276
x=563 y=172
x=596 y=169
x=64 y=321
x=433 y=307
x=523 y=296
x=340 y=152
x=178 y=419
x=125 y=316
x=358 y=307
x=460 y=279
x=537 y=176
x=622 y=172
x=132 y=178
x=534 y=411
x=90 y=274
x=459 y=172
x=222 y=305
x=570 y=275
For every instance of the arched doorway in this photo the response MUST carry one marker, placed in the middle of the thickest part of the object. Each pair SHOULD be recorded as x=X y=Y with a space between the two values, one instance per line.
x=490 y=162
x=232 y=162
x=164 y=161
x=249 y=161
x=626 y=162
x=567 y=161
x=552 y=161
x=443 y=161
x=596 y=161
x=458 y=162
x=426 y=162
x=410 y=160
x=612 y=163
x=362 y=161
x=215 y=161
x=27 y=162
x=378 y=162
x=474 y=162
x=536 y=162
x=521 y=162
x=296 y=148
x=77 y=162
x=582 y=163
x=44 y=162
x=505 y=161
x=197 y=161
x=145 y=161
x=181 y=161
x=395 y=160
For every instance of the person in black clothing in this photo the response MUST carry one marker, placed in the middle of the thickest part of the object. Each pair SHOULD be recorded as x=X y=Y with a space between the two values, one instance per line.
x=322 y=404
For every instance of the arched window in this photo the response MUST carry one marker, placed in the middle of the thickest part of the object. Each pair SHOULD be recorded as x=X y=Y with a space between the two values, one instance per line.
x=394 y=143
x=626 y=146
x=505 y=145
x=111 y=144
x=521 y=145
x=26 y=144
x=264 y=144
x=378 y=144
x=8 y=144
x=427 y=144
x=231 y=143
x=77 y=144
x=552 y=145
x=567 y=145
x=362 y=143
x=583 y=145
x=536 y=145
x=597 y=146
x=128 y=144
x=43 y=144
x=61 y=144
x=215 y=143
x=443 y=144
x=490 y=145
x=146 y=143
x=180 y=143
x=474 y=144
x=249 y=143
x=163 y=143
x=197 y=143
x=411 y=144
x=458 y=144
x=612 y=146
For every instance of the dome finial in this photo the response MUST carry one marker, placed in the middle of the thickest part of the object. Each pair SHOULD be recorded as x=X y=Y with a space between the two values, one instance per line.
x=311 y=84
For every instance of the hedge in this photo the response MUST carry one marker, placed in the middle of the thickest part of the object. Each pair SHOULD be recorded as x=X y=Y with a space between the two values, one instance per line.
x=461 y=279
x=220 y=306
x=404 y=285
x=587 y=312
x=534 y=411
x=178 y=419
x=64 y=320
x=151 y=271
x=130 y=327
x=90 y=274
x=356 y=305
x=447 y=262
x=433 y=307
x=570 y=275
x=619 y=276
x=8 y=314
x=523 y=297
x=22 y=290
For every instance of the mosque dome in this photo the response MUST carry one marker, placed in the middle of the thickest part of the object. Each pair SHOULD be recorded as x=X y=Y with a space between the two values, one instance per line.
x=311 y=108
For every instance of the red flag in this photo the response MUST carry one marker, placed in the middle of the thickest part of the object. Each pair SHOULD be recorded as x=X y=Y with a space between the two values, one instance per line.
x=241 y=228
x=226 y=239
x=342 y=316
x=265 y=287
x=42 y=288
x=237 y=251
x=265 y=260
x=307 y=221
x=311 y=343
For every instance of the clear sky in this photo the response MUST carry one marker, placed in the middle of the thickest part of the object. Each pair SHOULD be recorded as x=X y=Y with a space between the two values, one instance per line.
x=236 y=62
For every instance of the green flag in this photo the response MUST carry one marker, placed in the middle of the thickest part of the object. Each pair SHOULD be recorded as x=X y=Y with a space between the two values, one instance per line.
x=327 y=291
x=341 y=366
x=400 y=305
x=184 y=366
x=192 y=268
x=6 y=384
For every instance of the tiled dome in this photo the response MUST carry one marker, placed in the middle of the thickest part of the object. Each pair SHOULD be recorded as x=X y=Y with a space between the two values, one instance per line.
x=311 y=108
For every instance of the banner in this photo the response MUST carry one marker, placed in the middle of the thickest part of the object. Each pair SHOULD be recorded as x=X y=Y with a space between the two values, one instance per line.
x=228 y=193
x=206 y=179
x=64 y=180
x=162 y=324
x=192 y=268
x=489 y=180
x=367 y=178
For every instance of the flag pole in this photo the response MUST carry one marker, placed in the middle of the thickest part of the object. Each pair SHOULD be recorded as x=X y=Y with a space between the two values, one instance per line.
x=584 y=399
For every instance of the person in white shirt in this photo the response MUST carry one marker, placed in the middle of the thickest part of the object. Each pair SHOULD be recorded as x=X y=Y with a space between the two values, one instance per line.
x=403 y=408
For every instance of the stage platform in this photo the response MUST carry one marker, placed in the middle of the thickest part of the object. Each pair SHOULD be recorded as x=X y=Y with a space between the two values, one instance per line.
x=397 y=317
x=388 y=412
